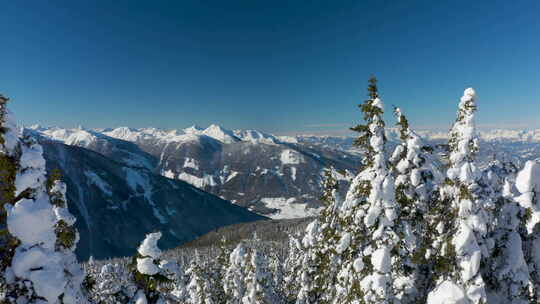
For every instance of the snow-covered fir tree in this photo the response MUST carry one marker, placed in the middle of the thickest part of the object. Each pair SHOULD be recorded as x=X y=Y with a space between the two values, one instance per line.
x=147 y=274
x=277 y=268
x=505 y=271
x=318 y=269
x=528 y=185
x=175 y=290
x=368 y=215
x=199 y=288
x=308 y=268
x=234 y=284
x=417 y=177
x=113 y=284
x=38 y=263
x=463 y=242
x=292 y=269
x=217 y=275
x=258 y=280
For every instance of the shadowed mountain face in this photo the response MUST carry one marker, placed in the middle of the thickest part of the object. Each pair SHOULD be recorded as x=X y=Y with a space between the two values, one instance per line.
x=116 y=205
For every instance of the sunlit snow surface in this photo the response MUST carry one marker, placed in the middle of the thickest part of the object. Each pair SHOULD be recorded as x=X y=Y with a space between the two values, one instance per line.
x=287 y=209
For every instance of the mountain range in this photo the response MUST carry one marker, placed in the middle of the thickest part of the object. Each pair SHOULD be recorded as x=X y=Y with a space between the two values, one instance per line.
x=124 y=182
x=116 y=204
x=279 y=177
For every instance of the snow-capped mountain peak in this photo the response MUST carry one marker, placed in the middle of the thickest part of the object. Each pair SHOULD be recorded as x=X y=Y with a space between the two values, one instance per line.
x=220 y=134
x=124 y=133
x=194 y=130
x=255 y=136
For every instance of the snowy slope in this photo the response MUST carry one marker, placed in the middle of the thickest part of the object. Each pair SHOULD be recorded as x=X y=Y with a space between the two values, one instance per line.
x=122 y=151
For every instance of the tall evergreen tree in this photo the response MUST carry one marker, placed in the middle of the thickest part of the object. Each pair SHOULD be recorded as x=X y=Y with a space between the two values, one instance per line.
x=199 y=287
x=234 y=285
x=463 y=244
x=292 y=269
x=318 y=270
x=368 y=216
x=417 y=179
x=276 y=263
x=309 y=291
x=38 y=263
x=258 y=280
x=505 y=271
x=528 y=185
x=217 y=276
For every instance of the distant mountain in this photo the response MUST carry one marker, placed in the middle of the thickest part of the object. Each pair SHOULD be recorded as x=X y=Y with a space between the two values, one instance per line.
x=273 y=176
x=493 y=135
x=122 y=151
x=116 y=204
x=277 y=176
x=280 y=177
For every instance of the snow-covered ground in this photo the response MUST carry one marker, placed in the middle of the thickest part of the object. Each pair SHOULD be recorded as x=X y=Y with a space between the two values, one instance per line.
x=287 y=208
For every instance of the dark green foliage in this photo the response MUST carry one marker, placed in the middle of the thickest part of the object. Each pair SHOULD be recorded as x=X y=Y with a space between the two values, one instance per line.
x=148 y=283
x=53 y=176
x=369 y=111
x=65 y=235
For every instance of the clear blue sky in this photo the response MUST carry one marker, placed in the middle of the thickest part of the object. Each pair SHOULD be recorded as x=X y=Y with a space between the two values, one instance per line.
x=278 y=66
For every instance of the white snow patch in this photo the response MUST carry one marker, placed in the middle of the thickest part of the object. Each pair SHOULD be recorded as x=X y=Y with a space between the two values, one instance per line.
x=447 y=293
x=287 y=209
x=231 y=176
x=199 y=182
x=149 y=246
x=99 y=182
x=291 y=157
x=147 y=266
x=191 y=163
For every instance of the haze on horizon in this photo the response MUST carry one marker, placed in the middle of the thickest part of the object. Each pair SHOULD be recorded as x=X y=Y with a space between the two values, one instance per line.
x=273 y=66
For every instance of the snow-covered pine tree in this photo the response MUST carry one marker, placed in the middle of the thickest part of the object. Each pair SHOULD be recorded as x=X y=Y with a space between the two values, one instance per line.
x=329 y=238
x=462 y=242
x=175 y=290
x=38 y=263
x=309 y=292
x=417 y=179
x=258 y=280
x=9 y=154
x=217 y=275
x=234 y=284
x=318 y=269
x=146 y=272
x=368 y=216
x=505 y=271
x=66 y=240
x=528 y=185
x=113 y=285
x=199 y=287
x=292 y=269
x=277 y=268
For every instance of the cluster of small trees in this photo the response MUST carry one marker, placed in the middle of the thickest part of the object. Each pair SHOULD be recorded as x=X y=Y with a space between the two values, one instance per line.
x=416 y=226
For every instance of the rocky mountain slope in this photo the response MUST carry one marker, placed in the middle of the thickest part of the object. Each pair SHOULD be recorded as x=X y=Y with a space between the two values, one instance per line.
x=273 y=176
x=116 y=204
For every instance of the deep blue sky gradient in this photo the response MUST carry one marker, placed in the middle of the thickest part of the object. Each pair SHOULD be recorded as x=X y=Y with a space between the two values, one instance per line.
x=278 y=66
